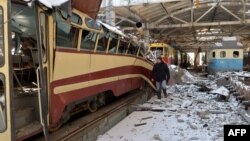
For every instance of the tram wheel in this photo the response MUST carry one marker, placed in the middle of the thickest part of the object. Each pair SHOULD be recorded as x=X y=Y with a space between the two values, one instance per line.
x=56 y=127
x=92 y=105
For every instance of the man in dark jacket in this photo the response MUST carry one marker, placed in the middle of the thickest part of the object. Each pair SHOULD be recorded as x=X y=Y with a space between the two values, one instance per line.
x=161 y=76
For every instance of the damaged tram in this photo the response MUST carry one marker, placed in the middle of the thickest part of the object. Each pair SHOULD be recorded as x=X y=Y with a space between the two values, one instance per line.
x=53 y=65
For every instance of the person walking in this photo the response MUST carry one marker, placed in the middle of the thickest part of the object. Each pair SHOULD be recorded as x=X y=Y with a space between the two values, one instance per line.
x=161 y=75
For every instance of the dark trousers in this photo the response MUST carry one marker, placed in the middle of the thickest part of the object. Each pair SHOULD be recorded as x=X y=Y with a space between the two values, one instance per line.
x=161 y=85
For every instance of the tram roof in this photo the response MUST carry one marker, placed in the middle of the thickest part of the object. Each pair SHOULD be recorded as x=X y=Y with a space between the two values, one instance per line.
x=89 y=7
x=159 y=45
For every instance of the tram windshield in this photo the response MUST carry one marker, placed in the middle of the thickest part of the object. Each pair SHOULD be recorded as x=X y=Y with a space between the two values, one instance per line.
x=2 y=91
x=158 y=51
x=2 y=105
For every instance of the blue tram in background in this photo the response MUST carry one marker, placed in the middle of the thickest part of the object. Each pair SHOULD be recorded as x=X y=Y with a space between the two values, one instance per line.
x=227 y=57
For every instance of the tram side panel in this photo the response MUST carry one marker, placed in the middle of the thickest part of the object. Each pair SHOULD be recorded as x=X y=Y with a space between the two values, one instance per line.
x=84 y=75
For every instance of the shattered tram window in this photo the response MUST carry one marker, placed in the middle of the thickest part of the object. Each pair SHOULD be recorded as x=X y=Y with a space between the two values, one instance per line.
x=2 y=105
x=1 y=38
x=93 y=24
x=66 y=34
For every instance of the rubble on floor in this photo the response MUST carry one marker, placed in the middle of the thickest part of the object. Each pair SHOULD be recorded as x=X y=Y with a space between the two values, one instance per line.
x=189 y=114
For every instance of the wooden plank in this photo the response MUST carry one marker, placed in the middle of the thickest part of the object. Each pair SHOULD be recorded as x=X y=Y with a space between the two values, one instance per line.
x=140 y=124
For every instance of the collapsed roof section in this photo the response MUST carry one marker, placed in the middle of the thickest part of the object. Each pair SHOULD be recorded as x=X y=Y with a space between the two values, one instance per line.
x=89 y=7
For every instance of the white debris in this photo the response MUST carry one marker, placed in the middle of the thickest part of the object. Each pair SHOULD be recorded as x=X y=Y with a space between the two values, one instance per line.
x=157 y=101
x=192 y=125
x=173 y=66
x=189 y=115
x=194 y=138
x=157 y=137
x=221 y=91
x=203 y=114
x=51 y=3
x=187 y=77
x=186 y=103
x=48 y=3
x=180 y=120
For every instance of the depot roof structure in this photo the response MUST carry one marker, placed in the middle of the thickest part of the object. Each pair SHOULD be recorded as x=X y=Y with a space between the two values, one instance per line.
x=187 y=24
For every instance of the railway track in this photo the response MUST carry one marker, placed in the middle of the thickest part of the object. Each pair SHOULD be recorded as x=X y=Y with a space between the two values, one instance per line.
x=89 y=127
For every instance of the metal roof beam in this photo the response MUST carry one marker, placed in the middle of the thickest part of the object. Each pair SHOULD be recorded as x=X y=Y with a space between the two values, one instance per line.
x=192 y=12
x=172 y=31
x=195 y=45
x=231 y=13
x=244 y=10
x=202 y=16
x=201 y=6
x=178 y=19
x=208 y=35
x=167 y=12
x=120 y=21
x=154 y=14
x=152 y=26
x=193 y=41
x=125 y=19
x=243 y=27
x=121 y=3
x=134 y=14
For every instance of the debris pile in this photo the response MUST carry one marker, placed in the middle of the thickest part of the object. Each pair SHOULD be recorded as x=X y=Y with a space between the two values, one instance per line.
x=196 y=109
x=179 y=75
x=239 y=87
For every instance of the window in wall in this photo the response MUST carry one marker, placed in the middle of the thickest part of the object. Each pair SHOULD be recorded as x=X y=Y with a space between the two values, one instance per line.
x=113 y=43
x=3 y=123
x=88 y=40
x=66 y=34
x=223 y=54
x=236 y=54
x=1 y=39
x=123 y=47
x=213 y=54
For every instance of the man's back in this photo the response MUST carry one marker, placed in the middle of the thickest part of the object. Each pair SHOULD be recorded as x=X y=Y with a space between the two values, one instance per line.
x=160 y=70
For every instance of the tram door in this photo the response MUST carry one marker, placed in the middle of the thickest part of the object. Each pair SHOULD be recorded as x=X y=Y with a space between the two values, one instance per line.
x=42 y=71
x=6 y=116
